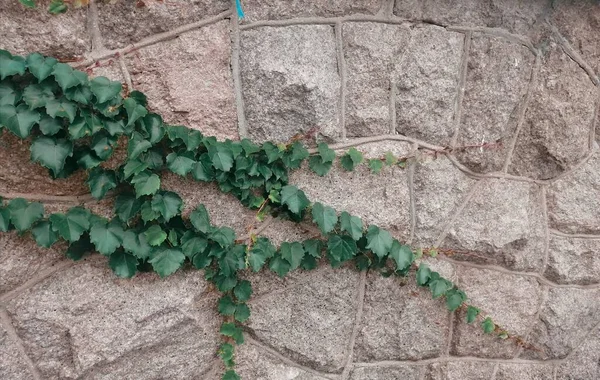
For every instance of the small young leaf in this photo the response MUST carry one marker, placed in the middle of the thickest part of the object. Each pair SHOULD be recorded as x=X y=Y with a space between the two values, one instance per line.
x=28 y=3
x=57 y=6
x=123 y=264
x=423 y=275
x=166 y=261
x=242 y=313
x=379 y=241
x=293 y=253
x=375 y=165
x=44 y=235
x=488 y=326
x=155 y=235
x=352 y=225
x=294 y=198
x=243 y=291
x=351 y=159
x=472 y=313
x=23 y=214
x=168 y=204
x=226 y=306
x=402 y=255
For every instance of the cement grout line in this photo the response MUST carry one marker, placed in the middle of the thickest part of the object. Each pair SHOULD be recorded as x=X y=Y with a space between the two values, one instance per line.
x=39 y=277
x=496 y=32
x=339 y=42
x=263 y=347
x=102 y=55
x=582 y=340
x=496 y=268
x=543 y=298
x=522 y=110
x=237 y=76
x=392 y=107
x=323 y=20
x=5 y=321
x=362 y=285
x=448 y=349
x=574 y=168
x=93 y=28
x=552 y=231
x=495 y=371
x=546 y=230
x=372 y=139
x=596 y=118
x=450 y=359
x=125 y=73
x=462 y=79
x=412 y=197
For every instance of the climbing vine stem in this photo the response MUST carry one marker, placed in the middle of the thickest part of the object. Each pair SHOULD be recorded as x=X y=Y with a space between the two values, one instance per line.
x=74 y=123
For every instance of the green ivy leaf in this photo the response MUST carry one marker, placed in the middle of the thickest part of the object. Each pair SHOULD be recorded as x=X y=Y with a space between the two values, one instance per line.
x=224 y=236
x=137 y=145
x=43 y=234
x=4 y=219
x=341 y=247
x=402 y=255
x=192 y=244
x=313 y=247
x=439 y=287
x=123 y=264
x=106 y=237
x=104 y=89
x=379 y=241
x=66 y=77
x=351 y=159
x=200 y=219
x=72 y=225
x=221 y=157
x=103 y=144
x=294 y=199
x=167 y=261
x=24 y=214
x=375 y=165
x=243 y=291
x=488 y=326
x=167 y=204
x=80 y=248
x=37 y=95
x=49 y=126
x=80 y=94
x=226 y=306
x=8 y=93
x=134 y=111
x=63 y=108
x=127 y=206
x=230 y=375
x=19 y=120
x=353 y=225
x=242 y=313
x=137 y=244
x=232 y=260
x=153 y=125
x=325 y=217
x=423 y=275
x=155 y=235
x=28 y=3
x=390 y=159
x=293 y=156
x=133 y=167
x=320 y=167
x=472 y=313
x=148 y=214
x=51 y=152
x=145 y=183
x=57 y=6
x=261 y=251
x=101 y=181
x=454 y=299
x=279 y=266
x=232 y=331
x=203 y=169
x=293 y=253
x=181 y=164
x=10 y=65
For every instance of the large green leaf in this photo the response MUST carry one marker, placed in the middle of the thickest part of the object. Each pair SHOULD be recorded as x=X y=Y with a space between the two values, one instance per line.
x=51 y=152
x=19 y=120
x=167 y=204
x=203 y=169
x=243 y=291
x=232 y=260
x=454 y=299
x=325 y=217
x=72 y=225
x=8 y=94
x=181 y=164
x=103 y=144
x=166 y=261
x=402 y=255
x=221 y=157
x=226 y=305
x=62 y=108
x=137 y=145
x=242 y=312
x=341 y=247
x=145 y=183
x=136 y=244
x=294 y=199
x=23 y=214
x=123 y=264
x=279 y=266
x=134 y=110
x=43 y=234
x=101 y=181
x=106 y=237
x=261 y=251
x=155 y=235
x=50 y=126
x=104 y=89
x=127 y=206
x=224 y=236
x=66 y=77
x=379 y=241
x=353 y=225
x=200 y=219
x=4 y=219
x=134 y=166
x=153 y=125
x=293 y=253
x=193 y=244
x=37 y=95
x=10 y=65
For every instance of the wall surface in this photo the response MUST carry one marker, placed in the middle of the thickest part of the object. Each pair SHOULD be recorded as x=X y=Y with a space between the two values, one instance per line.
x=519 y=77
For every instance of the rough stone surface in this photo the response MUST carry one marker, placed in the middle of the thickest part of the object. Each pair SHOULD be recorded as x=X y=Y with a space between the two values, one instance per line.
x=498 y=74
x=393 y=373
x=513 y=302
x=427 y=84
x=371 y=51
x=556 y=132
x=25 y=30
x=85 y=322
x=188 y=80
x=439 y=189
x=312 y=322
x=124 y=22
x=573 y=261
x=394 y=315
x=501 y=225
x=284 y=9
x=290 y=81
x=585 y=364
x=524 y=371
x=12 y=364
x=573 y=200
x=566 y=318
x=460 y=370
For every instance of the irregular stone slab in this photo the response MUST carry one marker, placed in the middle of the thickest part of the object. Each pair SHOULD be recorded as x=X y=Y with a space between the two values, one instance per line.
x=427 y=84
x=21 y=259
x=391 y=373
x=515 y=16
x=12 y=364
x=525 y=371
x=574 y=200
x=282 y=9
x=290 y=81
x=371 y=51
x=84 y=322
x=439 y=189
x=124 y=22
x=578 y=22
x=585 y=362
x=400 y=322
x=253 y=363
x=556 y=132
x=310 y=323
x=566 y=318
x=460 y=370
x=511 y=301
x=503 y=224
x=573 y=261
x=188 y=80
x=224 y=209
x=498 y=74
x=26 y=30
x=381 y=199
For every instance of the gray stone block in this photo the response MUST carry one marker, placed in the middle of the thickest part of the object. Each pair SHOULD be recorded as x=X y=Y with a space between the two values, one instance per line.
x=573 y=261
x=256 y=10
x=390 y=373
x=12 y=364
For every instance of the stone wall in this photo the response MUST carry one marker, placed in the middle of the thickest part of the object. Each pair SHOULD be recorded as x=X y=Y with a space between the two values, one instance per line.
x=516 y=78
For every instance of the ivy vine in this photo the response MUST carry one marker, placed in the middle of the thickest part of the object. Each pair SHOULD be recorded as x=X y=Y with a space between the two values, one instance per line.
x=75 y=123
